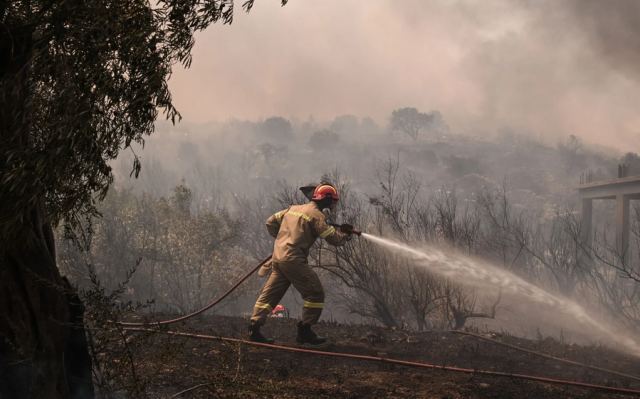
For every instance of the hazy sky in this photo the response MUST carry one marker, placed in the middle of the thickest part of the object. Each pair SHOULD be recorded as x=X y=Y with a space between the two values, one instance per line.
x=547 y=67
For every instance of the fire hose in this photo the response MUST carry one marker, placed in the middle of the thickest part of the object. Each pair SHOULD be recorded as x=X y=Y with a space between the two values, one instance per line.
x=347 y=228
x=604 y=388
x=204 y=309
x=136 y=327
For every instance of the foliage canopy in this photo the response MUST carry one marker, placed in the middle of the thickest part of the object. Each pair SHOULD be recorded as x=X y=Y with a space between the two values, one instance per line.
x=412 y=122
x=79 y=82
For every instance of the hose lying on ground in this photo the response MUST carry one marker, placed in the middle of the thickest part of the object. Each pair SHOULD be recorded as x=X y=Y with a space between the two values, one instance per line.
x=197 y=312
x=604 y=388
x=546 y=356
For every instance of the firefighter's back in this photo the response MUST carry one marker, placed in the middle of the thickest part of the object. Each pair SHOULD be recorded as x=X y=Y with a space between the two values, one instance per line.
x=296 y=234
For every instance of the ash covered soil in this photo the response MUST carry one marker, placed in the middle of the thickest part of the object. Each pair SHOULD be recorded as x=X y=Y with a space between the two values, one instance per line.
x=168 y=365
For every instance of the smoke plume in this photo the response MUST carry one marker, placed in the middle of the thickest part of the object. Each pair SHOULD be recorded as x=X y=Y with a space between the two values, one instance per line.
x=547 y=68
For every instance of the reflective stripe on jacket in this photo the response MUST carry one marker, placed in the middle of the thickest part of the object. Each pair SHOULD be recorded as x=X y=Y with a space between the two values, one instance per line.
x=297 y=228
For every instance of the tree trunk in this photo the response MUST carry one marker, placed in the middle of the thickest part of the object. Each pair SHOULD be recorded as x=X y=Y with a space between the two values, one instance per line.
x=43 y=349
x=384 y=314
x=460 y=319
x=43 y=352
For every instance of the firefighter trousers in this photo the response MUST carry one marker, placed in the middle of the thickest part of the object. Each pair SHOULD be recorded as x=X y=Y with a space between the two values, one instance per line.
x=303 y=278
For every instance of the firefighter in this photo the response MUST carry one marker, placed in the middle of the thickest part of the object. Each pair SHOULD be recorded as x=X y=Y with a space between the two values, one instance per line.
x=295 y=230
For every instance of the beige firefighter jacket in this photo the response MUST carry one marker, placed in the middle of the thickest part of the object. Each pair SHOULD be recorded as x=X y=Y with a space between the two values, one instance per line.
x=297 y=228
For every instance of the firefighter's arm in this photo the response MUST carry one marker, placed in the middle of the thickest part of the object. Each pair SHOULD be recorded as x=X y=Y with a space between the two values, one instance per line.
x=274 y=221
x=332 y=235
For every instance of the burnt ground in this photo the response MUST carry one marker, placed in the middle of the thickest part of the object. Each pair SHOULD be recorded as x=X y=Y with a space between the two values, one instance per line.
x=168 y=365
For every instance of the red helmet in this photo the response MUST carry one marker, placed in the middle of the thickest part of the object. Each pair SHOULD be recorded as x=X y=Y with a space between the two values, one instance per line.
x=325 y=190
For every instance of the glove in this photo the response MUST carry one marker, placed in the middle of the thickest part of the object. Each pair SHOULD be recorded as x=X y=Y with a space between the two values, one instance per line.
x=346 y=228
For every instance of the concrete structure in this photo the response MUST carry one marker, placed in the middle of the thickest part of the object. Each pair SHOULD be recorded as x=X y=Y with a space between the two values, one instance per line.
x=622 y=190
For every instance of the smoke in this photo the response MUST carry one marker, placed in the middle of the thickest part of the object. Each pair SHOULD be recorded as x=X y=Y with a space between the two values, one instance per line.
x=546 y=67
x=612 y=30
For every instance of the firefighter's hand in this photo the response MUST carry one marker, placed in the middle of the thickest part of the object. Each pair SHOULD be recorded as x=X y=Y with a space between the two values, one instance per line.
x=346 y=228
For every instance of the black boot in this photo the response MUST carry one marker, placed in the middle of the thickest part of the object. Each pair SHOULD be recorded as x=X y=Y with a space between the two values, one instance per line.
x=307 y=336
x=256 y=336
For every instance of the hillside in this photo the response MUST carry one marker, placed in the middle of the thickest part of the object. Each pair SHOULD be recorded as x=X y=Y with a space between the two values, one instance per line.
x=168 y=365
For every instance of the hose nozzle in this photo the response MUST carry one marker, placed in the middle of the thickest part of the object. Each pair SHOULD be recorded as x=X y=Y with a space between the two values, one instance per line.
x=346 y=228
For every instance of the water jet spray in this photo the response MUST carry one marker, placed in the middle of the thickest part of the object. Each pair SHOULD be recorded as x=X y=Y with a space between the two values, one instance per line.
x=478 y=273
